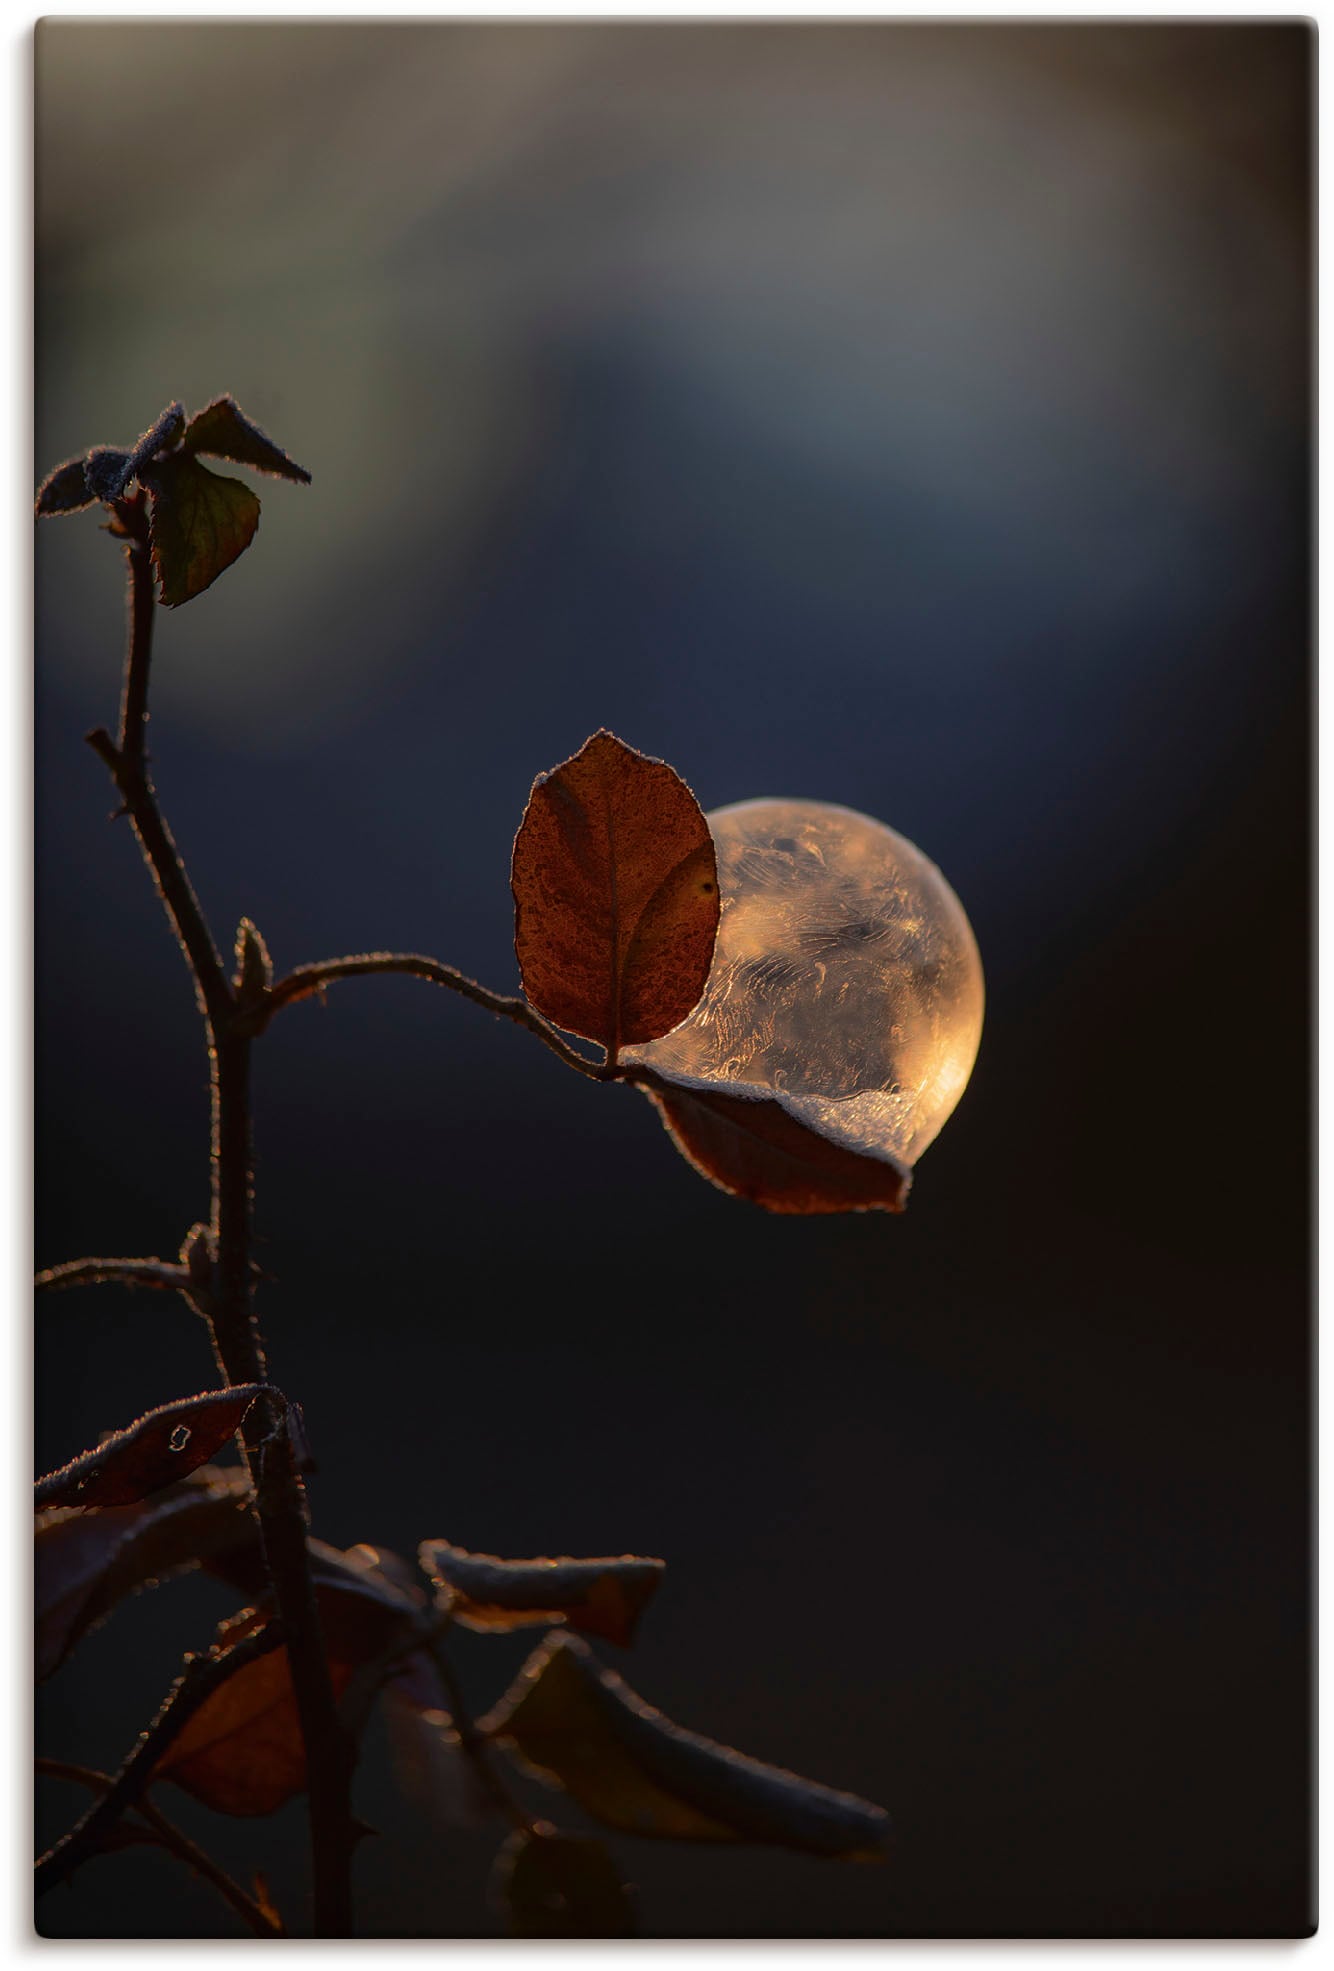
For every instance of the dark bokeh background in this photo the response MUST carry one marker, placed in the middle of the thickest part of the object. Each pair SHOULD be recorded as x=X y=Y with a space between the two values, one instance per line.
x=909 y=416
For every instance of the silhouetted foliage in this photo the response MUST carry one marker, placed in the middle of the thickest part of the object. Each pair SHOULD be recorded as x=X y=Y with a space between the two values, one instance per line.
x=616 y=915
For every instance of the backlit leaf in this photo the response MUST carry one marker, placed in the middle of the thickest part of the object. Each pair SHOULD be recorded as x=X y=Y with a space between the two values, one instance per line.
x=108 y=471
x=633 y=1769
x=434 y=1772
x=65 y=490
x=88 y=1561
x=164 y=431
x=158 y=1448
x=222 y=430
x=599 y=1597
x=242 y=1752
x=199 y=523
x=747 y=1140
x=553 y=1885
x=615 y=895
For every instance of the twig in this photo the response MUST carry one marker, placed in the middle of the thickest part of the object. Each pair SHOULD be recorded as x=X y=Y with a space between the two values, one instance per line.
x=118 y=1272
x=170 y=1837
x=474 y=1745
x=201 y=1676
x=308 y=979
x=227 y=1306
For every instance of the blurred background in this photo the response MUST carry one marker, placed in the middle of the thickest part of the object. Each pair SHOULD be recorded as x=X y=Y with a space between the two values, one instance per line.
x=908 y=416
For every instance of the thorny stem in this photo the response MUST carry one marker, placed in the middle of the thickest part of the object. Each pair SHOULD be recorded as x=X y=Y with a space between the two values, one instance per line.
x=201 y=1676
x=308 y=979
x=167 y=1835
x=279 y=1493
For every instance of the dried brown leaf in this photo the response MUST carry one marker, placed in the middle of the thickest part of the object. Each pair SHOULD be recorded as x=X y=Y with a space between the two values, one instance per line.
x=615 y=895
x=158 y=1448
x=749 y=1142
x=600 y=1597
x=434 y=1772
x=88 y=1561
x=242 y=1752
x=632 y=1768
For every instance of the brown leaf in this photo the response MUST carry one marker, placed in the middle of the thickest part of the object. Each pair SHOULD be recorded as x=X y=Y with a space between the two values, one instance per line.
x=615 y=895
x=748 y=1141
x=88 y=1561
x=600 y=1597
x=222 y=430
x=553 y=1885
x=199 y=523
x=434 y=1772
x=631 y=1768
x=158 y=1448
x=242 y=1751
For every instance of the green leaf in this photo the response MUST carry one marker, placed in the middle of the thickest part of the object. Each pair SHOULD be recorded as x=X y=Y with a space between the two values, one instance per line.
x=633 y=1769
x=199 y=524
x=555 y=1886
x=599 y=1597
x=65 y=490
x=222 y=430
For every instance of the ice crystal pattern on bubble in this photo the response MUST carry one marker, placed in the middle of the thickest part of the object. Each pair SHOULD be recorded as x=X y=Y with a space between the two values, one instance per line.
x=846 y=978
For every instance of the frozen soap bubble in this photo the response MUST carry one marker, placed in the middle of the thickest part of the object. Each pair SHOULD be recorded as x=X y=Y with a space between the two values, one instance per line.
x=846 y=979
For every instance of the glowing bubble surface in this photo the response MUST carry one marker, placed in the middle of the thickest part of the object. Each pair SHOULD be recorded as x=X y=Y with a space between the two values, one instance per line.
x=846 y=978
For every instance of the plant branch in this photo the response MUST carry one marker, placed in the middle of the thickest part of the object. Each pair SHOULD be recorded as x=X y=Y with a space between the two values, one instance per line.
x=226 y=1303
x=201 y=1676
x=120 y=1272
x=475 y=1747
x=308 y=979
x=167 y=1835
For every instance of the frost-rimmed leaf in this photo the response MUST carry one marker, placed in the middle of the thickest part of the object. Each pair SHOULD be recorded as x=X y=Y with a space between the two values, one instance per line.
x=600 y=1597
x=199 y=523
x=242 y=1752
x=434 y=1773
x=222 y=430
x=633 y=1769
x=557 y=1885
x=754 y=1143
x=158 y=1448
x=86 y=1561
x=107 y=471
x=615 y=895
x=65 y=490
